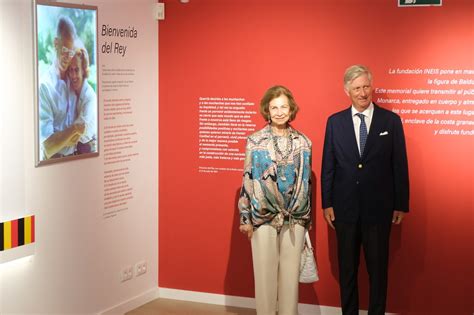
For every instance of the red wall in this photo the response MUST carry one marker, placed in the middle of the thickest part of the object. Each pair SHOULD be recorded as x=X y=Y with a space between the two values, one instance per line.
x=240 y=48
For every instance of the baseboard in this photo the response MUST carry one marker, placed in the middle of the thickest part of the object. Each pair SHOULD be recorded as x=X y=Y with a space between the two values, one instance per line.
x=209 y=298
x=132 y=303
x=212 y=298
x=228 y=300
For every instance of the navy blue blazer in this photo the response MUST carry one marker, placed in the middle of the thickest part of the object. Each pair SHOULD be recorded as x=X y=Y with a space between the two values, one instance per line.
x=370 y=187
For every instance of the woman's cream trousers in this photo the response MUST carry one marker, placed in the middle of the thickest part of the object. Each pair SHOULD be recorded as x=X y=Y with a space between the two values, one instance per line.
x=276 y=264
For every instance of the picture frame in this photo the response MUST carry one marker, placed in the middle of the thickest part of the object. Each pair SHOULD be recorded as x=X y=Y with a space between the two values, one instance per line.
x=66 y=82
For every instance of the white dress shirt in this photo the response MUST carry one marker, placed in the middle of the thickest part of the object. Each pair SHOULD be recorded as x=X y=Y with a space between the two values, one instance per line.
x=368 y=113
x=56 y=107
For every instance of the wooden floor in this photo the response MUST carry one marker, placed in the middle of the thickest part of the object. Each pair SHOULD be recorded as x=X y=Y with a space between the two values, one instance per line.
x=175 y=307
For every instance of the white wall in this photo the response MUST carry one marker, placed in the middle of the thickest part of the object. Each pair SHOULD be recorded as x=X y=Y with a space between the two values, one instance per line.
x=78 y=254
x=16 y=53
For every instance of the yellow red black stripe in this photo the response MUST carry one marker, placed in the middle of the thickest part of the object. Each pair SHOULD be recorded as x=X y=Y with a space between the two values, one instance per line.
x=17 y=232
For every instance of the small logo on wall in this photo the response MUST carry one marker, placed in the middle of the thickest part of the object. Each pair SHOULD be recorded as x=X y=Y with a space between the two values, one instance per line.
x=419 y=3
x=17 y=232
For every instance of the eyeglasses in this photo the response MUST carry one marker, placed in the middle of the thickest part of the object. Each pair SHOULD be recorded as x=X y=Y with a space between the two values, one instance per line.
x=69 y=52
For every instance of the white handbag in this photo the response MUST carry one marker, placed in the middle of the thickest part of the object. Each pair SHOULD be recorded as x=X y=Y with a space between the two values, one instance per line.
x=308 y=268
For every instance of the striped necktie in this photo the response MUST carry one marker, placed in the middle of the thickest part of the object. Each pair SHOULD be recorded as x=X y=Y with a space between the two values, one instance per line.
x=362 y=133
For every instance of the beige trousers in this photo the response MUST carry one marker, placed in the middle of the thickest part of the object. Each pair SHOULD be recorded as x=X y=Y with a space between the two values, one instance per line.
x=276 y=264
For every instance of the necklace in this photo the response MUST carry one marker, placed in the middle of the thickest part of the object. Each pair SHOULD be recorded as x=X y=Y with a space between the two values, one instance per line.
x=284 y=154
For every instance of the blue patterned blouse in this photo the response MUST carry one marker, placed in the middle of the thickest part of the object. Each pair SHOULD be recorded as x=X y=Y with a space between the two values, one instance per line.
x=265 y=197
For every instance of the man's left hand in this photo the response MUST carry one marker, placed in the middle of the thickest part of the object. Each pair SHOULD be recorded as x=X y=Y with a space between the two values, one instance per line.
x=397 y=217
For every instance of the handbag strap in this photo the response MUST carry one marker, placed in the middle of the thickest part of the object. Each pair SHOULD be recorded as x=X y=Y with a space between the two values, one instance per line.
x=308 y=240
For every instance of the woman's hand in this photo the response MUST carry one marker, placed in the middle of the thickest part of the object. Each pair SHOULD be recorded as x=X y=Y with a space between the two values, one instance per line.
x=247 y=229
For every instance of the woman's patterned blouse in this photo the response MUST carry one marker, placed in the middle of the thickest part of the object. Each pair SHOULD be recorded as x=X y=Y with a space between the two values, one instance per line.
x=260 y=201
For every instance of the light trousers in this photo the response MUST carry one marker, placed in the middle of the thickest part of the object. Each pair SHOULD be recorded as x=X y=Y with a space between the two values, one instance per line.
x=276 y=265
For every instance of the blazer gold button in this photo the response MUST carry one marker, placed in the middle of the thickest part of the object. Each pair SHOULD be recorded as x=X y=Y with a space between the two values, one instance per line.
x=359 y=166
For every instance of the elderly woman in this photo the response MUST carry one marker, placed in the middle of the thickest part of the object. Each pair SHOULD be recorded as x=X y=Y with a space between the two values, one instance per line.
x=86 y=100
x=275 y=203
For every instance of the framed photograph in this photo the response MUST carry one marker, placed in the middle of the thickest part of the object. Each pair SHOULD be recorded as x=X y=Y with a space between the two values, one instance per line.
x=67 y=122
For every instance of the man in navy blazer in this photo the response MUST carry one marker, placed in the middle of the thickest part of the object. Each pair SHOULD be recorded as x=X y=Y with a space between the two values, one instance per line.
x=364 y=185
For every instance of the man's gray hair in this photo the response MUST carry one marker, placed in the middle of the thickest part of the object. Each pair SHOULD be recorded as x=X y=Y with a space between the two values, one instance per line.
x=355 y=71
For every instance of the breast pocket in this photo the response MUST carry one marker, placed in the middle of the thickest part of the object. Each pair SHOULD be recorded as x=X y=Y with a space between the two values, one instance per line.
x=383 y=143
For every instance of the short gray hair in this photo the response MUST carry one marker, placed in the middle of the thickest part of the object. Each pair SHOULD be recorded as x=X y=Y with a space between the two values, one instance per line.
x=355 y=71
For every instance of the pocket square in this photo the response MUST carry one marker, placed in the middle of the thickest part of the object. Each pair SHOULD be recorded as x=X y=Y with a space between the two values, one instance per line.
x=383 y=133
